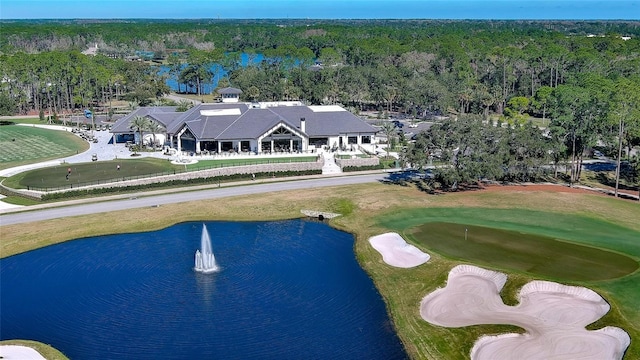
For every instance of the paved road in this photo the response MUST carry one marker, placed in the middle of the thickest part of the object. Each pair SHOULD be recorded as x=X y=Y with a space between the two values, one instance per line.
x=178 y=99
x=141 y=200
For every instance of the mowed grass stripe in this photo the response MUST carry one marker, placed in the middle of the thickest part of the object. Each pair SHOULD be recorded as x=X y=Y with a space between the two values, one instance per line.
x=106 y=171
x=25 y=145
x=570 y=227
x=100 y=171
x=207 y=164
x=36 y=145
x=538 y=255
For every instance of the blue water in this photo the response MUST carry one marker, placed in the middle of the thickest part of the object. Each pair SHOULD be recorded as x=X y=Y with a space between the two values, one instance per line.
x=287 y=290
x=216 y=69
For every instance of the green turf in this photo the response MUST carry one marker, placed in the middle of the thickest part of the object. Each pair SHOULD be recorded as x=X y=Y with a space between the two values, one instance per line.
x=55 y=177
x=208 y=164
x=530 y=253
x=26 y=120
x=94 y=172
x=574 y=228
x=23 y=145
x=624 y=291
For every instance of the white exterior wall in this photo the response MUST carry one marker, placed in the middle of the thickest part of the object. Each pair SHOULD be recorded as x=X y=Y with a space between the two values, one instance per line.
x=334 y=141
x=230 y=98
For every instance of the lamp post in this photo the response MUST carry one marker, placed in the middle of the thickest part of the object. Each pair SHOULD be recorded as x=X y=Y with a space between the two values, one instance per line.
x=49 y=100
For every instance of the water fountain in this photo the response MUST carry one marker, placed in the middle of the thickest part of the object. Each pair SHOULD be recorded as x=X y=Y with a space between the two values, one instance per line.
x=205 y=261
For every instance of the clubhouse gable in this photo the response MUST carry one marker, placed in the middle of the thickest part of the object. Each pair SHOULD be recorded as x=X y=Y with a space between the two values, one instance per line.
x=259 y=128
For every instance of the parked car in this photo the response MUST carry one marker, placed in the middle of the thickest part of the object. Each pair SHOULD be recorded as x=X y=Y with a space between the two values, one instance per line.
x=94 y=157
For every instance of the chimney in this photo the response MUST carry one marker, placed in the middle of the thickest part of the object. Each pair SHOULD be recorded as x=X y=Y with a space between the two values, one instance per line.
x=303 y=125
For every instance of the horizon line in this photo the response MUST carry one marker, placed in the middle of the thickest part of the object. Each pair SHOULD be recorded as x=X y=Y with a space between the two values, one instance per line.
x=329 y=19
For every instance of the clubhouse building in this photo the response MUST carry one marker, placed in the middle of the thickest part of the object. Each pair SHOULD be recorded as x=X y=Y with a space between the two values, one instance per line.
x=232 y=126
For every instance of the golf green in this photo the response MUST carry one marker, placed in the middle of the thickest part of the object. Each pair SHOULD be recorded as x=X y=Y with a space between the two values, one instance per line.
x=531 y=253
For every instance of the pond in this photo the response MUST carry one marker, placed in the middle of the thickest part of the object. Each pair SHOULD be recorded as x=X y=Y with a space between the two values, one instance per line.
x=286 y=289
x=217 y=72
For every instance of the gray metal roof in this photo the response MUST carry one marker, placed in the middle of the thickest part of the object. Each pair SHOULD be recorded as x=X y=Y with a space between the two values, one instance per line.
x=165 y=115
x=229 y=90
x=233 y=121
x=194 y=114
x=326 y=123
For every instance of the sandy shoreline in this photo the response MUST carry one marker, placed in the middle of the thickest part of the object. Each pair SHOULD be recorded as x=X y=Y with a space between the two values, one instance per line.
x=17 y=352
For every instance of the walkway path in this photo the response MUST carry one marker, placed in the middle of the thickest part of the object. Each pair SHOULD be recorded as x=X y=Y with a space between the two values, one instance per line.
x=330 y=166
x=178 y=99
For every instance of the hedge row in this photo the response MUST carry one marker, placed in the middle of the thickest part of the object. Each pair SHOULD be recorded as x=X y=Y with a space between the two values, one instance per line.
x=174 y=183
x=362 y=168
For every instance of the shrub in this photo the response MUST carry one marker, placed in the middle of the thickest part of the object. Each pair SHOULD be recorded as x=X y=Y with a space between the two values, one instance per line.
x=362 y=168
x=172 y=183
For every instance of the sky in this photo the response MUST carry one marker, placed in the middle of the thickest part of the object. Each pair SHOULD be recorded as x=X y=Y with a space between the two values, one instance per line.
x=322 y=9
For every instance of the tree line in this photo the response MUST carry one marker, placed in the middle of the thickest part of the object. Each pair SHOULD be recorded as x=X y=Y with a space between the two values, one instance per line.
x=63 y=81
x=414 y=67
x=583 y=76
x=594 y=112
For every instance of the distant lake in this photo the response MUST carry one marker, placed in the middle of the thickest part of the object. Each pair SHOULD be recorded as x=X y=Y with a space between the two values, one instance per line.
x=287 y=290
x=217 y=70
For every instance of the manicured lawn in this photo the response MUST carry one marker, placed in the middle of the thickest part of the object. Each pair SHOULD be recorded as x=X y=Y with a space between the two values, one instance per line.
x=569 y=227
x=23 y=145
x=513 y=250
x=577 y=224
x=209 y=164
x=55 y=177
x=94 y=172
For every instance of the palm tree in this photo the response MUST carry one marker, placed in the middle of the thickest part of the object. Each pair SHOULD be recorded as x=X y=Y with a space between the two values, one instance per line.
x=154 y=128
x=139 y=124
x=389 y=130
x=183 y=106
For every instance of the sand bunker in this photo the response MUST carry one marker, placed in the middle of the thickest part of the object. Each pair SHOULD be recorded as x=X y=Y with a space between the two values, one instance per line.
x=396 y=252
x=553 y=315
x=8 y=352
